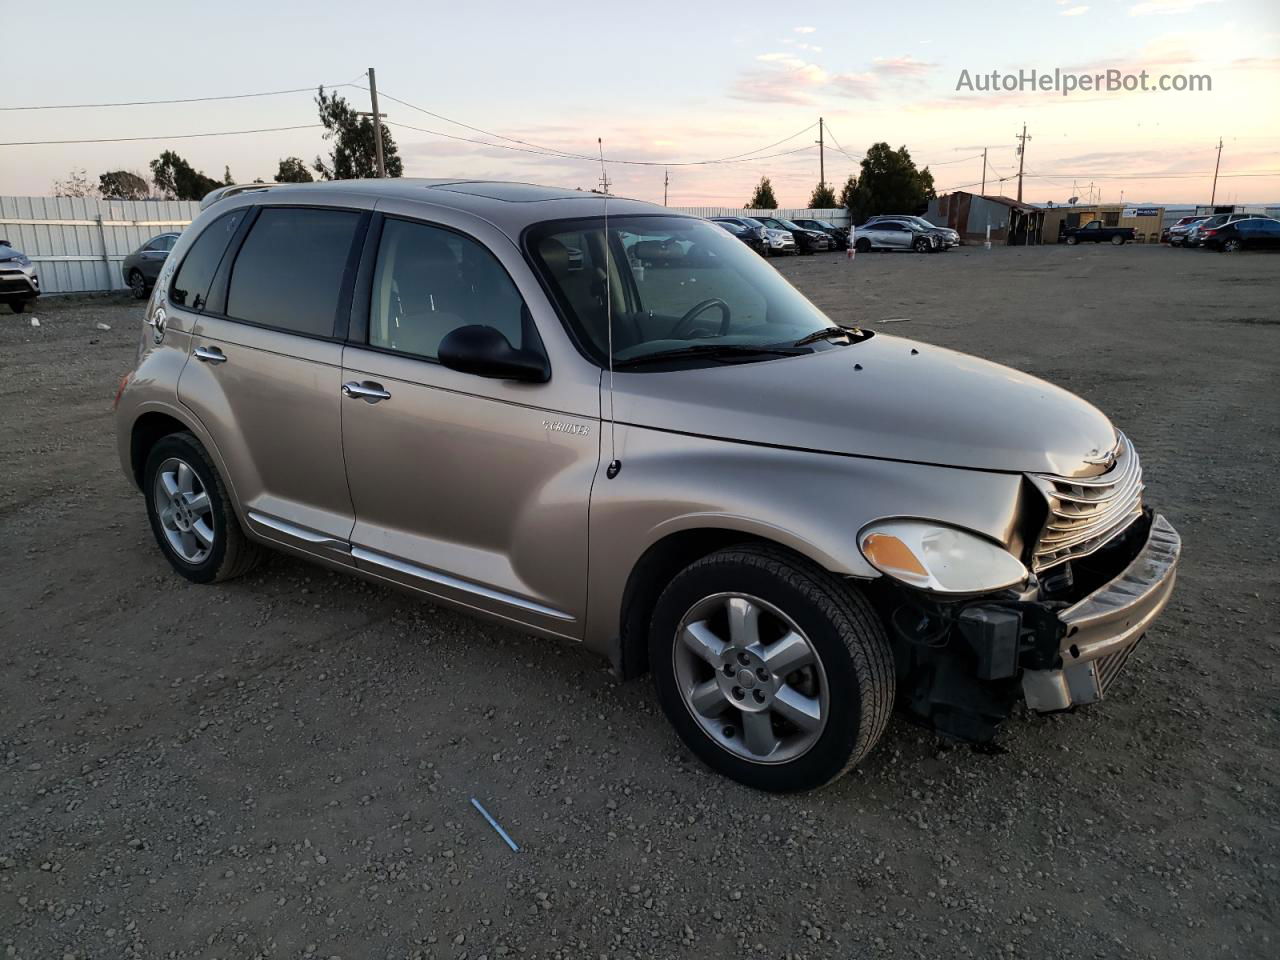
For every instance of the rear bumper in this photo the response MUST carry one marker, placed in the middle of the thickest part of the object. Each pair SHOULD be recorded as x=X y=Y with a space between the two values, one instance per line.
x=1101 y=630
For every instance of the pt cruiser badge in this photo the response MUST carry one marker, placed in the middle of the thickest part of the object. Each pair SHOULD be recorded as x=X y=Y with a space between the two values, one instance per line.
x=560 y=426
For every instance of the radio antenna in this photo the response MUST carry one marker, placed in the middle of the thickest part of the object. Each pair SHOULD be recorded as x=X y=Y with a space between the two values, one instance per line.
x=615 y=465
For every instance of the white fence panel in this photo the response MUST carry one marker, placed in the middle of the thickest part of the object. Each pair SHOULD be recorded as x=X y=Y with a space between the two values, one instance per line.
x=78 y=244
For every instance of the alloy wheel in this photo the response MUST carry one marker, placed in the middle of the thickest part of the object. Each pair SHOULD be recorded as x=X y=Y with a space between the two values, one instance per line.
x=185 y=511
x=137 y=285
x=750 y=678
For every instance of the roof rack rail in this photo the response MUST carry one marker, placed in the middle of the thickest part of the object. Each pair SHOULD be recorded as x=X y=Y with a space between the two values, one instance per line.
x=213 y=196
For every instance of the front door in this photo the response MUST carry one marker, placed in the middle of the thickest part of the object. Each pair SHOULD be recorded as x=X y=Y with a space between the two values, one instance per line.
x=265 y=376
x=472 y=490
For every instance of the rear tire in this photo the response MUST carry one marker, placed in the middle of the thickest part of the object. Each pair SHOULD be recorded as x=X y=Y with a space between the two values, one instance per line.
x=1231 y=246
x=137 y=284
x=786 y=699
x=191 y=514
x=1117 y=241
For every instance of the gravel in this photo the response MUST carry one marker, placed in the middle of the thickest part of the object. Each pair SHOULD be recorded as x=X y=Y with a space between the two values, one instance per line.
x=282 y=766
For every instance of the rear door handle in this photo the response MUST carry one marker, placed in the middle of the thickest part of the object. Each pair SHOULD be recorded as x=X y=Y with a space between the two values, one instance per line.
x=210 y=355
x=365 y=390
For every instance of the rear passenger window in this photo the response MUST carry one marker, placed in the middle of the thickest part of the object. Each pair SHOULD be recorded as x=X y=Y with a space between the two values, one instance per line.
x=429 y=281
x=191 y=283
x=288 y=274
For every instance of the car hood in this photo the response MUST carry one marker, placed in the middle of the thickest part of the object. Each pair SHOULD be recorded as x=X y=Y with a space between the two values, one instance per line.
x=884 y=397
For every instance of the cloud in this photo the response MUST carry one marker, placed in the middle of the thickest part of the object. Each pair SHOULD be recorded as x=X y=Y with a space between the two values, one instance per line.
x=1073 y=11
x=1150 y=7
x=803 y=29
x=906 y=66
x=863 y=85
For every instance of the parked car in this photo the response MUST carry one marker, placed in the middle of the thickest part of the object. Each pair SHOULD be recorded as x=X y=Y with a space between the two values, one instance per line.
x=19 y=284
x=1195 y=236
x=895 y=235
x=752 y=239
x=807 y=241
x=839 y=235
x=947 y=237
x=1095 y=231
x=1176 y=235
x=141 y=267
x=776 y=242
x=1250 y=233
x=406 y=380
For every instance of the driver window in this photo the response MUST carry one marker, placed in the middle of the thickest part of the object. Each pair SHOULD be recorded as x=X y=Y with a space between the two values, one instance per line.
x=429 y=281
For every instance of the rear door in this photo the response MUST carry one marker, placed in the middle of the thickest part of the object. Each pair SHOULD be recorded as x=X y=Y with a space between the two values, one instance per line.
x=266 y=373
x=470 y=489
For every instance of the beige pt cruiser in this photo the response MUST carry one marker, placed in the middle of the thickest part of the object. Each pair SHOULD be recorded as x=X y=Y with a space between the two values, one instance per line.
x=596 y=420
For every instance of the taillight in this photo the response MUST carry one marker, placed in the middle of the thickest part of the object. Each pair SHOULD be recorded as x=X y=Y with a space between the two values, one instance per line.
x=124 y=382
x=1207 y=233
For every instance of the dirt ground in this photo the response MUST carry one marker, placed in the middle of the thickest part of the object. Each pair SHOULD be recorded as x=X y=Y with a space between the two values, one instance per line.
x=282 y=766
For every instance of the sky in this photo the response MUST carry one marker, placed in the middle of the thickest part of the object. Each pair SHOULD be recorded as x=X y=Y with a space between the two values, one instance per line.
x=667 y=82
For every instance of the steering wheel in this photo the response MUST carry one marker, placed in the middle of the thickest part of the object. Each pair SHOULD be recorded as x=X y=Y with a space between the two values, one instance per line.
x=696 y=311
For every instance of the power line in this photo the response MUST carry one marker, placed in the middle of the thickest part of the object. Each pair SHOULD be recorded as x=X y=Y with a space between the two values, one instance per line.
x=569 y=154
x=149 y=103
x=173 y=136
x=572 y=156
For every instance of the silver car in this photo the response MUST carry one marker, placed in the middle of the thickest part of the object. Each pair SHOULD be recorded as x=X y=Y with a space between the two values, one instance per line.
x=894 y=235
x=19 y=283
x=947 y=237
x=600 y=422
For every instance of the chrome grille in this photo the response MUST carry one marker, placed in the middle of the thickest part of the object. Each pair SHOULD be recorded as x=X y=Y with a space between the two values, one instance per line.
x=1086 y=512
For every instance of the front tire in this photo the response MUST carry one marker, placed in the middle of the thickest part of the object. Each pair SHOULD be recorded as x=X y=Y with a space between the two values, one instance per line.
x=17 y=306
x=863 y=245
x=772 y=671
x=191 y=515
x=1072 y=241
x=921 y=245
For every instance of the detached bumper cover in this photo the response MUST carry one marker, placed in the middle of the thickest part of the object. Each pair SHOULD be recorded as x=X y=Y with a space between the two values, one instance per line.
x=1102 y=629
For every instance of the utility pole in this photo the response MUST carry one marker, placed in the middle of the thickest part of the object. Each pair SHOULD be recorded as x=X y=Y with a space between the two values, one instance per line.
x=666 y=179
x=822 y=167
x=1217 y=163
x=984 y=172
x=1022 y=156
x=377 y=124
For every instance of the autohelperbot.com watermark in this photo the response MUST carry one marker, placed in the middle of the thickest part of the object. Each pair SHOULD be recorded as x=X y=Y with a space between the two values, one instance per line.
x=1067 y=82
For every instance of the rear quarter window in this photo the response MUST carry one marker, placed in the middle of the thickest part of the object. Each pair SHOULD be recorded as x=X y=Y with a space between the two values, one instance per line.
x=190 y=287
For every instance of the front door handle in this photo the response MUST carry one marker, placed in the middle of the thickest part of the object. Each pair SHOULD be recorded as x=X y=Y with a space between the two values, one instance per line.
x=365 y=390
x=210 y=355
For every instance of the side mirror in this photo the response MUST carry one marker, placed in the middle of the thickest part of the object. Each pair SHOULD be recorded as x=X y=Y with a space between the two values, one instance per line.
x=485 y=352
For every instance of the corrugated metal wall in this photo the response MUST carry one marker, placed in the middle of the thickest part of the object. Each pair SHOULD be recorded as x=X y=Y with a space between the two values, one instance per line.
x=73 y=252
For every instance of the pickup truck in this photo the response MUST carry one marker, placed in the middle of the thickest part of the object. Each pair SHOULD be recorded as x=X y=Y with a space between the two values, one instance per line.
x=1095 y=232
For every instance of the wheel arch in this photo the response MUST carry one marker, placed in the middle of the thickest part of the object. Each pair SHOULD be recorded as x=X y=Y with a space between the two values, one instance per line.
x=667 y=556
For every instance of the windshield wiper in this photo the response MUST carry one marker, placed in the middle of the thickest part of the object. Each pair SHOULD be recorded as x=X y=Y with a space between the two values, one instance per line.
x=826 y=333
x=711 y=350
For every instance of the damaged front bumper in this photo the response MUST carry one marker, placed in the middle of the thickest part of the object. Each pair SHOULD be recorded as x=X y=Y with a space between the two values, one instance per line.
x=1101 y=630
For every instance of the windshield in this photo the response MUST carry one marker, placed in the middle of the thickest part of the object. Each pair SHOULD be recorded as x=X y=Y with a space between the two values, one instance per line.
x=674 y=283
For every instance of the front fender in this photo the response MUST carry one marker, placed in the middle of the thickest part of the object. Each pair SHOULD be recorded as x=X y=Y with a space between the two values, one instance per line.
x=811 y=503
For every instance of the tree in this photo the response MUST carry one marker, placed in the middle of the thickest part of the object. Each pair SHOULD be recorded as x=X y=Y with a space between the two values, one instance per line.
x=76 y=185
x=227 y=179
x=889 y=183
x=823 y=198
x=763 y=198
x=848 y=192
x=178 y=180
x=354 y=153
x=123 y=185
x=293 y=170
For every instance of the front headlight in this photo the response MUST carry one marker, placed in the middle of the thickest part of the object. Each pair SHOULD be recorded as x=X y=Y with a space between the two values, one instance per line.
x=938 y=558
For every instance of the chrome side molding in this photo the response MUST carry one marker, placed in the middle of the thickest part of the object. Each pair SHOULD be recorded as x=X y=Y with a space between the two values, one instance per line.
x=309 y=537
x=444 y=580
